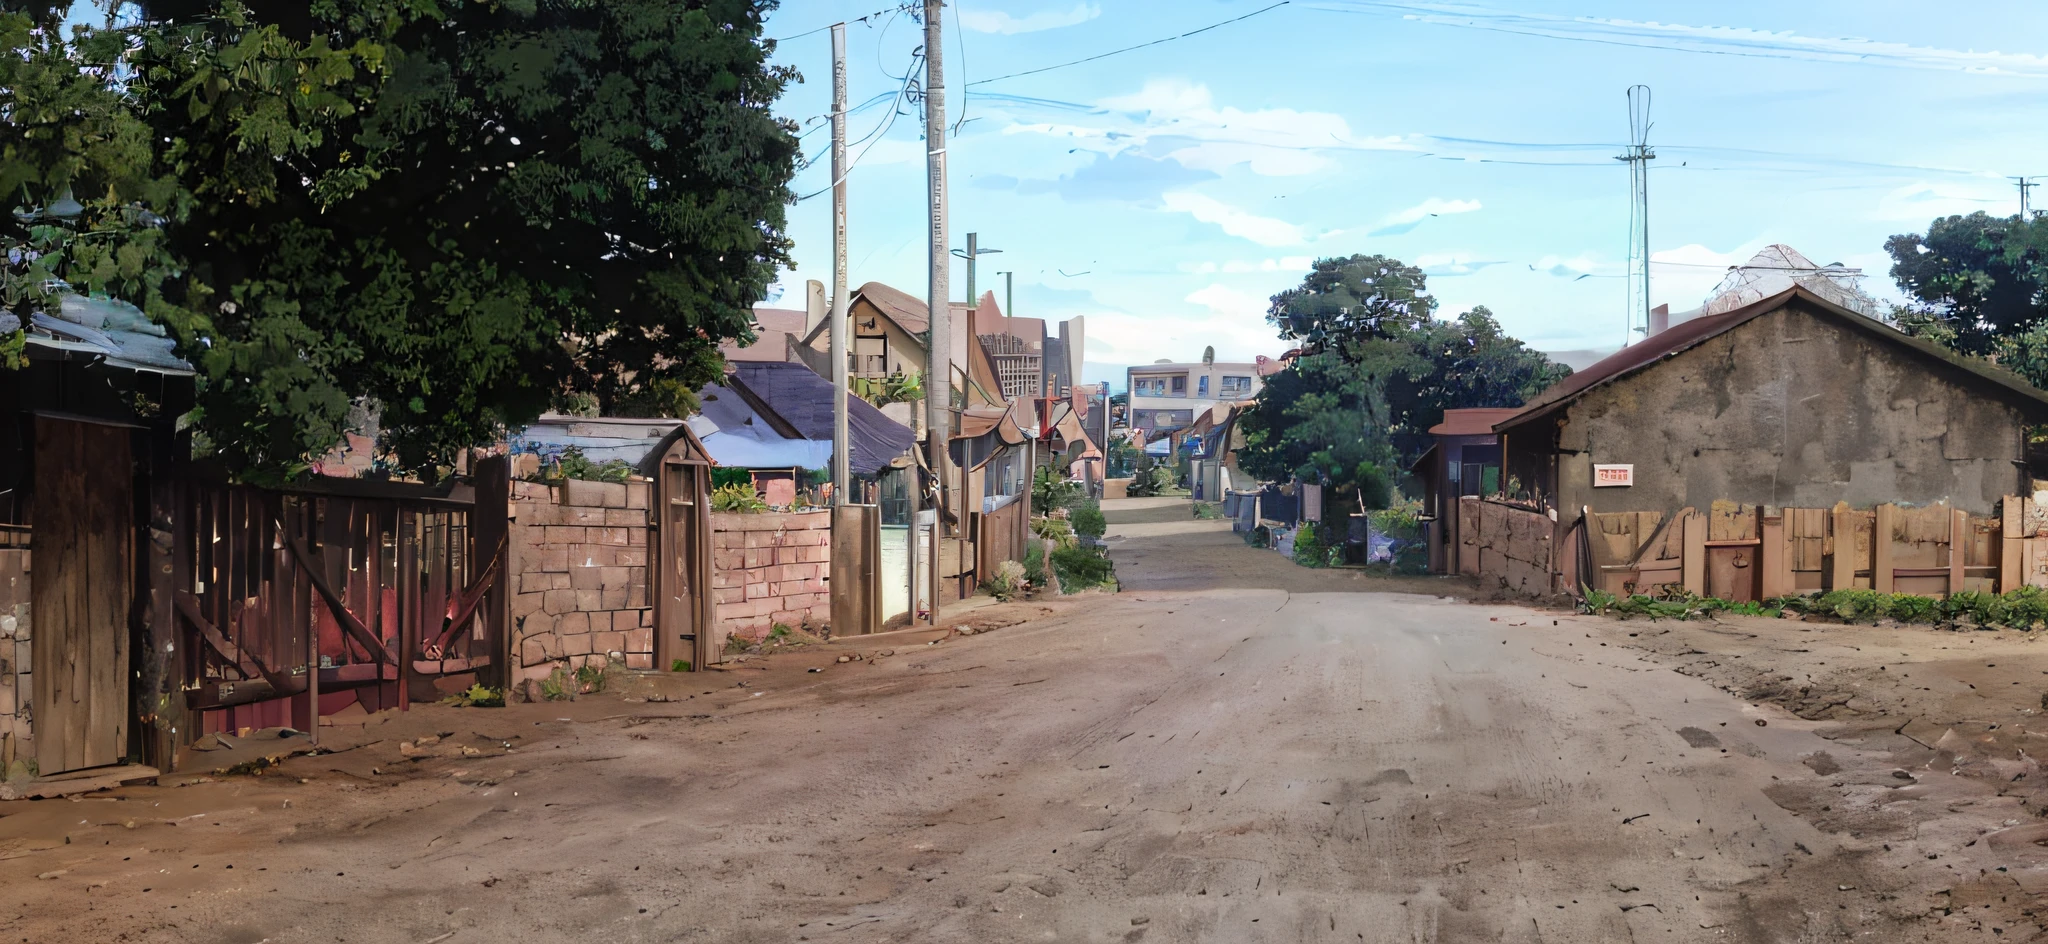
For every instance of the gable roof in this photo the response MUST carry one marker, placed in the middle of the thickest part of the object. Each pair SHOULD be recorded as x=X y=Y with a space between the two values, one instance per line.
x=773 y=327
x=803 y=400
x=909 y=312
x=1679 y=338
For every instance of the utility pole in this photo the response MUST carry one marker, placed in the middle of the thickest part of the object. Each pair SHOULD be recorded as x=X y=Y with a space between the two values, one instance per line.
x=938 y=378
x=2026 y=184
x=1638 y=156
x=842 y=444
x=1009 y=295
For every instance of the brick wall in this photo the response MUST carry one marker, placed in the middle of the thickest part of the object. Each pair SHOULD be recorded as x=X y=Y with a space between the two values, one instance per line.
x=771 y=568
x=579 y=575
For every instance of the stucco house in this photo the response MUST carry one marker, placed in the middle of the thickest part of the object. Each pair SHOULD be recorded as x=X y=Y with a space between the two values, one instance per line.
x=1790 y=400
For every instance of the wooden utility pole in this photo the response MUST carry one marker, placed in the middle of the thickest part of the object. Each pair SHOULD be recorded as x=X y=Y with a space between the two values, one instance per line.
x=938 y=377
x=842 y=446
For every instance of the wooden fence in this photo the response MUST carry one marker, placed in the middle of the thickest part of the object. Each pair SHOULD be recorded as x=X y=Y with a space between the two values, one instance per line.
x=1750 y=552
x=297 y=604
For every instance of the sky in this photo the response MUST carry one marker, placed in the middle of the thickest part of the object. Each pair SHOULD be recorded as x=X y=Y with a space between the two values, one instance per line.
x=1167 y=192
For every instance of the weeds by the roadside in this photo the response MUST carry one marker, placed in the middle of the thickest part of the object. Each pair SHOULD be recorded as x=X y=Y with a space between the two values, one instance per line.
x=2023 y=608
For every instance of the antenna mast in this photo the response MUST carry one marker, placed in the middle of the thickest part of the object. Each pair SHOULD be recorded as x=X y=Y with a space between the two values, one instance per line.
x=1638 y=157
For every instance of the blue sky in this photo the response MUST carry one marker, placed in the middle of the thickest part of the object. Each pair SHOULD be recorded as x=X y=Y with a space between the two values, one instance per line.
x=1165 y=193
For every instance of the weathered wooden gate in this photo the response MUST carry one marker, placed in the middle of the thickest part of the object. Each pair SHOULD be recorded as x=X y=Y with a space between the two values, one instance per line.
x=83 y=547
x=338 y=596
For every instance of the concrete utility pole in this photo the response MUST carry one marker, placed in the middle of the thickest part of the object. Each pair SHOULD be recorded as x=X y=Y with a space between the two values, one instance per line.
x=842 y=445
x=938 y=376
x=2026 y=184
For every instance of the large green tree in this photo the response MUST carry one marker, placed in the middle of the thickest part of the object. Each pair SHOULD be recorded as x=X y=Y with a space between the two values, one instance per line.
x=457 y=210
x=1359 y=409
x=1974 y=278
x=1979 y=284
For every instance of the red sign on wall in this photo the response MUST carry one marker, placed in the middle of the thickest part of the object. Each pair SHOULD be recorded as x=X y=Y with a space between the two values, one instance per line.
x=1607 y=476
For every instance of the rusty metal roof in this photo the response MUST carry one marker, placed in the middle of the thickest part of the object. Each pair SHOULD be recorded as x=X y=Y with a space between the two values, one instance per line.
x=1474 y=421
x=1684 y=336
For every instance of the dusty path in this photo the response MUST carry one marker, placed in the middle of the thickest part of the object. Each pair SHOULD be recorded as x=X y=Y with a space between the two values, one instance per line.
x=1272 y=757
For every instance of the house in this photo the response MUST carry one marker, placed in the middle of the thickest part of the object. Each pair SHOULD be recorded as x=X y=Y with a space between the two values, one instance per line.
x=1166 y=396
x=1211 y=446
x=1786 y=445
x=1789 y=400
x=774 y=330
x=90 y=457
x=1463 y=460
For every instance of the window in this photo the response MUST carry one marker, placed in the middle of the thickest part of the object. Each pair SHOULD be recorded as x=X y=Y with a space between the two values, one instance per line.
x=1202 y=386
x=1236 y=386
x=1180 y=386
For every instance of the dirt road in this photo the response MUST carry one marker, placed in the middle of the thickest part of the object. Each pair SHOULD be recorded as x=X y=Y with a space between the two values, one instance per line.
x=1233 y=749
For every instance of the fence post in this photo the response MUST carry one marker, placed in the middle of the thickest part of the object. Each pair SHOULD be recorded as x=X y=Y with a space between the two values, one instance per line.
x=2009 y=552
x=1693 y=566
x=1958 y=548
x=1881 y=548
x=1842 y=563
x=1776 y=563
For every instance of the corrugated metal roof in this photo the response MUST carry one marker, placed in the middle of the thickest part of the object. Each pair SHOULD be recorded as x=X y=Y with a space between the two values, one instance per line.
x=112 y=330
x=804 y=400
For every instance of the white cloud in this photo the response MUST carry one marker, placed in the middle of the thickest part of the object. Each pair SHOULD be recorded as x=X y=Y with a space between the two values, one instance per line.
x=1922 y=201
x=1239 y=266
x=1234 y=323
x=1179 y=120
x=985 y=21
x=1263 y=230
x=1716 y=40
x=1433 y=206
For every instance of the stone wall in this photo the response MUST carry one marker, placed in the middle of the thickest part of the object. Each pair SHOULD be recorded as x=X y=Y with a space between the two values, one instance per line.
x=579 y=574
x=768 y=569
x=15 y=733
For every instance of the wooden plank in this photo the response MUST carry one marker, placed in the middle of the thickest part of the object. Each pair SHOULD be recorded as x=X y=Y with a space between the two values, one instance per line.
x=1842 y=561
x=1881 y=539
x=1694 y=568
x=1775 y=559
x=2009 y=569
x=75 y=782
x=1958 y=548
x=81 y=595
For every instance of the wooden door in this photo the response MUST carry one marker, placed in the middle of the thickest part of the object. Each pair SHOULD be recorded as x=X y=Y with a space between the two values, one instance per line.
x=683 y=585
x=81 y=546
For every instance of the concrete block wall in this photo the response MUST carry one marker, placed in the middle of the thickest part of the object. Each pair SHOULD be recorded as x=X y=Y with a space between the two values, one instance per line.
x=771 y=568
x=579 y=573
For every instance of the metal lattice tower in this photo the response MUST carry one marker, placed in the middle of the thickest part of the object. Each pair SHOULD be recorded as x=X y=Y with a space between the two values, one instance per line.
x=1638 y=157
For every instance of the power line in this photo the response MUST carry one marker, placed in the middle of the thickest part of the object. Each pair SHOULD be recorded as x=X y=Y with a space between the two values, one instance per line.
x=895 y=9
x=1118 y=52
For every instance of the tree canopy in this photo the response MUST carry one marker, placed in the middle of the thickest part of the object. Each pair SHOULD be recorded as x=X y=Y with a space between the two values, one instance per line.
x=459 y=211
x=1358 y=411
x=1979 y=284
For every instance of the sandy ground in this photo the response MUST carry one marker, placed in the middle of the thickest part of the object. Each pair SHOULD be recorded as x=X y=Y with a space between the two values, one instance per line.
x=1232 y=749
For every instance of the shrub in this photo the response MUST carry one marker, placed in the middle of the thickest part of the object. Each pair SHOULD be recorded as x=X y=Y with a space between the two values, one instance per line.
x=1088 y=522
x=1050 y=493
x=1081 y=567
x=1034 y=564
x=1309 y=549
x=1007 y=582
x=1054 y=530
x=738 y=498
x=574 y=465
x=1150 y=482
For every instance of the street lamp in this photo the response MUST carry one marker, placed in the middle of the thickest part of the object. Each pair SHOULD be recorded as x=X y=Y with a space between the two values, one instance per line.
x=973 y=250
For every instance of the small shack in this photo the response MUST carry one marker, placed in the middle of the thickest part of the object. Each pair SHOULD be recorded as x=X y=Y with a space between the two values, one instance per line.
x=88 y=457
x=1462 y=461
